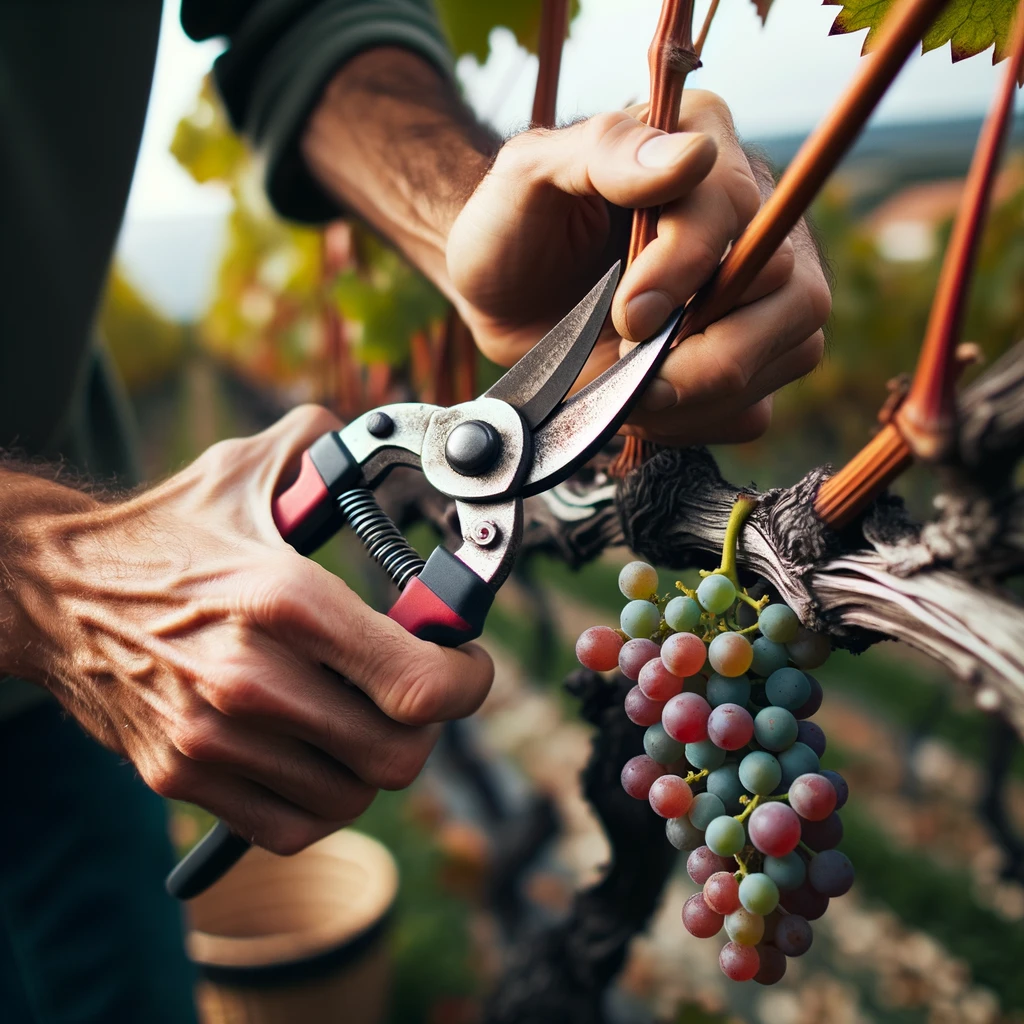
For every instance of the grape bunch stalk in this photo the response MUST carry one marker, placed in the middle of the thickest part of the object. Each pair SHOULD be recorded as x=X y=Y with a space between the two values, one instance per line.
x=724 y=691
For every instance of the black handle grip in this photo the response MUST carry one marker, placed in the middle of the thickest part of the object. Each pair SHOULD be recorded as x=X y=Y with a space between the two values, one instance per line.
x=211 y=858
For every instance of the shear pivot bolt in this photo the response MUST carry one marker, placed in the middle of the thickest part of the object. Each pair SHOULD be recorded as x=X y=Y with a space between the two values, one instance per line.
x=472 y=447
x=380 y=424
x=484 y=533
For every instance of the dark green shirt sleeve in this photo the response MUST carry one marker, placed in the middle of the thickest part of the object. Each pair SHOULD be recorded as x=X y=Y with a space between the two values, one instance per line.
x=280 y=56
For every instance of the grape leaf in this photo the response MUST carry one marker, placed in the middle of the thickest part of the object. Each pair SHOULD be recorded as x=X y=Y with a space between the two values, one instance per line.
x=468 y=23
x=763 y=7
x=969 y=26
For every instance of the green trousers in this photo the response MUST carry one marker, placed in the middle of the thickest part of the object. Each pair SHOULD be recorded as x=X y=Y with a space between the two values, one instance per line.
x=87 y=934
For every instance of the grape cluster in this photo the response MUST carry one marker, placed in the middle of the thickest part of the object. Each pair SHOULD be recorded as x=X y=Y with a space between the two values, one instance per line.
x=731 y=759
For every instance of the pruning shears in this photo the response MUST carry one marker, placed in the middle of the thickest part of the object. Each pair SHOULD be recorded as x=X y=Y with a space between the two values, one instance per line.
x=520 y=438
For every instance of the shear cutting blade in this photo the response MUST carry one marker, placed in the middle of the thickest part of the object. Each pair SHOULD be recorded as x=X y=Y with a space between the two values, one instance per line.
x=542 y=378
x=581 y=425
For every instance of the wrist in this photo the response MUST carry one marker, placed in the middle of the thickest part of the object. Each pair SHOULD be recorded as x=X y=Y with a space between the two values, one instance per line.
x=34 y=514
x=392 y=140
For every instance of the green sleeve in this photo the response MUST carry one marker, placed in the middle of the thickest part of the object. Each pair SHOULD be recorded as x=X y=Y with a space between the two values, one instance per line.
x=281 y=54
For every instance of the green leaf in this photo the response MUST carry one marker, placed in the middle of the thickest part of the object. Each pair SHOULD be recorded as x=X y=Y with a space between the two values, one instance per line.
x=468 y=23
x=969 y=26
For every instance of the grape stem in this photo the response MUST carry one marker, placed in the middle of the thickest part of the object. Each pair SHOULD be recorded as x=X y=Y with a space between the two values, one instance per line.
x=696 y=776
x=748 y=810
x=743 y=865
x=741 y=509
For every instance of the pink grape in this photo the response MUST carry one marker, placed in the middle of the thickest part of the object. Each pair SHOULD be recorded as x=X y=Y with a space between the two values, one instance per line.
x=730 y=727
x=774 y=829
x=638 y=775
x=722 y=892
x=773 y=965
x=657 y=682
x=704 y=862
x=739 y=963
x=813 y=797
x=634 y=655
x=685 y=717
x=598 y=648
x=699 y=919
x=640 y=709
x=684 y=654
x=670 y=796
x=730 y=654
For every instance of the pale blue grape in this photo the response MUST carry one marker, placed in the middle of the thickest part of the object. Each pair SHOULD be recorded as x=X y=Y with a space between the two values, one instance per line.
x=723 y=690
x=660 y=747
x=704 y=809
x=760 y=773
x=759 y=894
x=682 y=835
x=778 y=622
x=725 y=783
x=797 y=760
x=768 y=656
x=639 y=619
x=704 y=754
x=725 y=836
x=786 y=688
x=786 y=872
x=775 y=728
x=638 y=580
x=716 y=593
x=682 y=614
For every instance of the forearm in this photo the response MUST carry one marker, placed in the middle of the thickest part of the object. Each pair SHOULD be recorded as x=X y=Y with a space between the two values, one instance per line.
x=29 y=506
x=393 y=141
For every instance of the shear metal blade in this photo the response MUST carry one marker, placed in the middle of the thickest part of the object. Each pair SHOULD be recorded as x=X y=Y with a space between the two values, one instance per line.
x=542 y=378
x=581 y=425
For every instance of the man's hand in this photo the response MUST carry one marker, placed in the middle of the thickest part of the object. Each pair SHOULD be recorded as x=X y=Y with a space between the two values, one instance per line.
x=515 y=241
x=539 y=230
x=184 y=633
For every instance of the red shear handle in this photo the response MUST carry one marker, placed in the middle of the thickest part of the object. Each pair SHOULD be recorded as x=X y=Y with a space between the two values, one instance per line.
x=446 y=604
x=306 y=514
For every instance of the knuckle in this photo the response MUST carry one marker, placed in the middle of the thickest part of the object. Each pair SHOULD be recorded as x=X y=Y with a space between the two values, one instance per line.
x=811 y=353
x=168 y=777
x=236 y=693
x=704 y=100
x=819 y=297
x=419 y=698
x=197 y=739
x=400 y=765
x=746 y=196
x=756 y=422
x=289 y=838
x=222 y=459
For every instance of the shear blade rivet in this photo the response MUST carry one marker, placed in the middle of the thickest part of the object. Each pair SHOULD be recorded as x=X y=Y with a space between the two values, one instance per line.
x=380 y=424
x=484 y=533
x=472 y=447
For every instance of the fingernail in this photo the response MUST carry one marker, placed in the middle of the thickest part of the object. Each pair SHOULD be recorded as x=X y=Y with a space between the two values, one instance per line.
x=659 y=395
x=646 y=312
x=665 y=150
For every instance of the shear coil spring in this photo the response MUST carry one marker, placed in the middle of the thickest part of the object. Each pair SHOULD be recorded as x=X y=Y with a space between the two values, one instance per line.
x=382 y=539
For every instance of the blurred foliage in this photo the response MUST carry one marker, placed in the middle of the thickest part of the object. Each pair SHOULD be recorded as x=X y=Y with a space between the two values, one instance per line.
x=468 y=23
x=145 y=345
x=969 y=26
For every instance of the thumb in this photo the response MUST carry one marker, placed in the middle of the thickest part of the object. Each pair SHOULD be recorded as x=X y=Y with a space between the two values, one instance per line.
x=623 y=160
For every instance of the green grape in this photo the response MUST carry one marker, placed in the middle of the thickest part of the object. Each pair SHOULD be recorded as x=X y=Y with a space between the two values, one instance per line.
x=682 y=614
x=787 y=688
x=798 y=760
x=775 y=728
x=639 y=619
x=768 y=656
x=660 y=747
x=725 y=836
x=786 y=872
x=723 y=690
x=704 y=754
x=760 y=773
x=716 y=593
x=778 y=622
x=744 y=927
x=682 y=835
x=759 y=894
x=704 y=809
x=638 y=580
x=725 y=783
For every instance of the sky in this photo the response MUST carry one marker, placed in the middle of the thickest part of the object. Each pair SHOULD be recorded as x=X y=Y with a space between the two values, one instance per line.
x=778 y=79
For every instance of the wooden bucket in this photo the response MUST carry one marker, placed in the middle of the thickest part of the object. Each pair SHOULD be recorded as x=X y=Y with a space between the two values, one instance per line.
x=297 y=940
